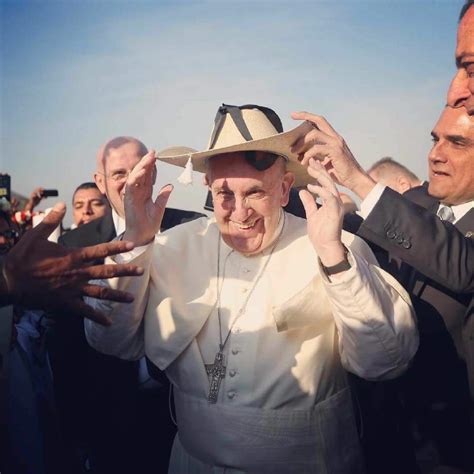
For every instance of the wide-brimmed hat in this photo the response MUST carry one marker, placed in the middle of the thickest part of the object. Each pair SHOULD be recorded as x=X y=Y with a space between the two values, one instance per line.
x=240 y=129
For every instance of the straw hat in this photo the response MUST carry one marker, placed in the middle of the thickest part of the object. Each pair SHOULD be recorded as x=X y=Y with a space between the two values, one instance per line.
x=240 y=129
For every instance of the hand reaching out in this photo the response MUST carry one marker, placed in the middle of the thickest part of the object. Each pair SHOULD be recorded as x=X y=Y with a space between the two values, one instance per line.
x=323 y=143
x=41 y=274
x=35 y=198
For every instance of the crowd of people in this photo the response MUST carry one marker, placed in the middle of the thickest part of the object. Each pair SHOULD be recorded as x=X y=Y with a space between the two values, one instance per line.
x=289 y=333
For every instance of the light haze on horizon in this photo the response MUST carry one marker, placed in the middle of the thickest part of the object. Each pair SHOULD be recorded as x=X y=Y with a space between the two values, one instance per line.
x=76 y=73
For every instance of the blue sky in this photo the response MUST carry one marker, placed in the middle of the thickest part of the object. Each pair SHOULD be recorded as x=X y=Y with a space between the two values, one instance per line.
x=77 y=73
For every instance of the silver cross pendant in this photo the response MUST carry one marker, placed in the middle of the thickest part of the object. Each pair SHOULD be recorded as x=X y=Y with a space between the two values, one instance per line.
x=216 y=371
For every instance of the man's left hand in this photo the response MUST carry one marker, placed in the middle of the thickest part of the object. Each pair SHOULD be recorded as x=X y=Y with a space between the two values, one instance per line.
x=325 y=223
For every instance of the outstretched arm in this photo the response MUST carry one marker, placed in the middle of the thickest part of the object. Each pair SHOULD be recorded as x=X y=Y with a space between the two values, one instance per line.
x=437 y=250
x=124 y=338
x=38 y=273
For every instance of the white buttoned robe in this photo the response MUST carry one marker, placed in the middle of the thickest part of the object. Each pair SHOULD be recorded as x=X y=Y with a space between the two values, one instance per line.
x=283 y=405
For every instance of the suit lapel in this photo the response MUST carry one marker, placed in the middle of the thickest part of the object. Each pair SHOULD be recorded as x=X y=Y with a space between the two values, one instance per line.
x=106 y=228
x=466 y=223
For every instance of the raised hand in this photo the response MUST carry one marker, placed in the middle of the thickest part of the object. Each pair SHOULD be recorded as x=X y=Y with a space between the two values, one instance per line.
x=326 y=145
x=142 y=214
x=35 y=198
x=41 y=274
x=325 y=223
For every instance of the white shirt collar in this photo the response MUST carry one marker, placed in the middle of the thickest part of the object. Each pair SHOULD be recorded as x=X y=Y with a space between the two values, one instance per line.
x=119 y=223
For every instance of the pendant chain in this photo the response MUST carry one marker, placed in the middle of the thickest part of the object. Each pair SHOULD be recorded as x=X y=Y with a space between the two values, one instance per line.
x=249 y=294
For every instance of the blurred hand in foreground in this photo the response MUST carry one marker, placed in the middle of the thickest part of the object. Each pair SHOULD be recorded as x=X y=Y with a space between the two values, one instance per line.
x=40 y=274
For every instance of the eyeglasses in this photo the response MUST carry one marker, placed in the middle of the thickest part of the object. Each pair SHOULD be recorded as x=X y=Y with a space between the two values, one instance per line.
x=117 y=176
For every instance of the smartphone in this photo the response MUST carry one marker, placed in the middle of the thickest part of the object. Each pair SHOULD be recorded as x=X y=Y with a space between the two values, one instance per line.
x=5 y=186
x=49 y=193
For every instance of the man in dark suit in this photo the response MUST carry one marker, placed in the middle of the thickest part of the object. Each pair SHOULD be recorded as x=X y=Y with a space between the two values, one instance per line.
x=437 y=269
x=106 y=414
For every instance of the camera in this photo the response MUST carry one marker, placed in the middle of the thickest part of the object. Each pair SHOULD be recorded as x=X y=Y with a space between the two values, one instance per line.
x=49 y=193
x=5 y=186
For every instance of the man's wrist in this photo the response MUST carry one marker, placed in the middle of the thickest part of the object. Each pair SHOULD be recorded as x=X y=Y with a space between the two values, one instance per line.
x=363 y=186
x=332 y=255
x=137 y=241
x=341 y=266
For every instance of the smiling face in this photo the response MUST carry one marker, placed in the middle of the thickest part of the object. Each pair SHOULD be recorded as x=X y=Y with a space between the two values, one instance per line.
x=461 y=90
x=451 y=160
x=118 y=163
x=247 y=202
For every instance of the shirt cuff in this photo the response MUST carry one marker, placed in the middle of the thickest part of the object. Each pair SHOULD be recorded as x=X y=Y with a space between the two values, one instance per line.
x=371 y=200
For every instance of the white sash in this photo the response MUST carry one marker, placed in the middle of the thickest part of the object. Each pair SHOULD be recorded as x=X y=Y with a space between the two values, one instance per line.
x=322 y=440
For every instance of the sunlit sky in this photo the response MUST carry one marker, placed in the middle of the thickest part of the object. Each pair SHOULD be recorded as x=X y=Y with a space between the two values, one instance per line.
x=76 y=73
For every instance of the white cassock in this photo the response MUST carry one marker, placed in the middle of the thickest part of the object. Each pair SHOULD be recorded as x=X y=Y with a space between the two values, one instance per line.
x=283 y=405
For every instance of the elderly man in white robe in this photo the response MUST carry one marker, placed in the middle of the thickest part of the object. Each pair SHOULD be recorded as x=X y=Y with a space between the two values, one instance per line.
x=256 y=314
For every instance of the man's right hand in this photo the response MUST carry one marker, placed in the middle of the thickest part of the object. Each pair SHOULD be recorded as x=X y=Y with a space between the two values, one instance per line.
x=323 y=143
x=142 y=214
x=41 y=274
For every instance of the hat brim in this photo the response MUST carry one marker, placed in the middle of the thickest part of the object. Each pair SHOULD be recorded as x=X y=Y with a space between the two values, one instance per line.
x=279 y=144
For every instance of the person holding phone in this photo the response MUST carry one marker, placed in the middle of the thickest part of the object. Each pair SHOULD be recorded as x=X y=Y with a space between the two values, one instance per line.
x=37 y=196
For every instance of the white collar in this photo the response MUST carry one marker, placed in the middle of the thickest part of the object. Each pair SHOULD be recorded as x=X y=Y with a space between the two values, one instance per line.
x=119 y=223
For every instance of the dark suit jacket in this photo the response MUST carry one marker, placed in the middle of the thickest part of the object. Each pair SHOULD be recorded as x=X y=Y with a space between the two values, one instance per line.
x=410 y=230
x=438 y=273
x=446 y=259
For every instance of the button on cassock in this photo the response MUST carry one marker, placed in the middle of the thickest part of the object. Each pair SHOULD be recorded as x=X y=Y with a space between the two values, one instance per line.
x=231 y=394
x=232 y=372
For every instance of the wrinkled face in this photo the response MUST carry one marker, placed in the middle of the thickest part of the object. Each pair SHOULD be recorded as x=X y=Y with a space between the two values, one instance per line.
x=117 y=165
x=87 y=205
x=247 y=202
x=451 y=160
x=461 y=90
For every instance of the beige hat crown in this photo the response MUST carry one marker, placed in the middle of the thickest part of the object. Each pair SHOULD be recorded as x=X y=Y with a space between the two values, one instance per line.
x=239 y=129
